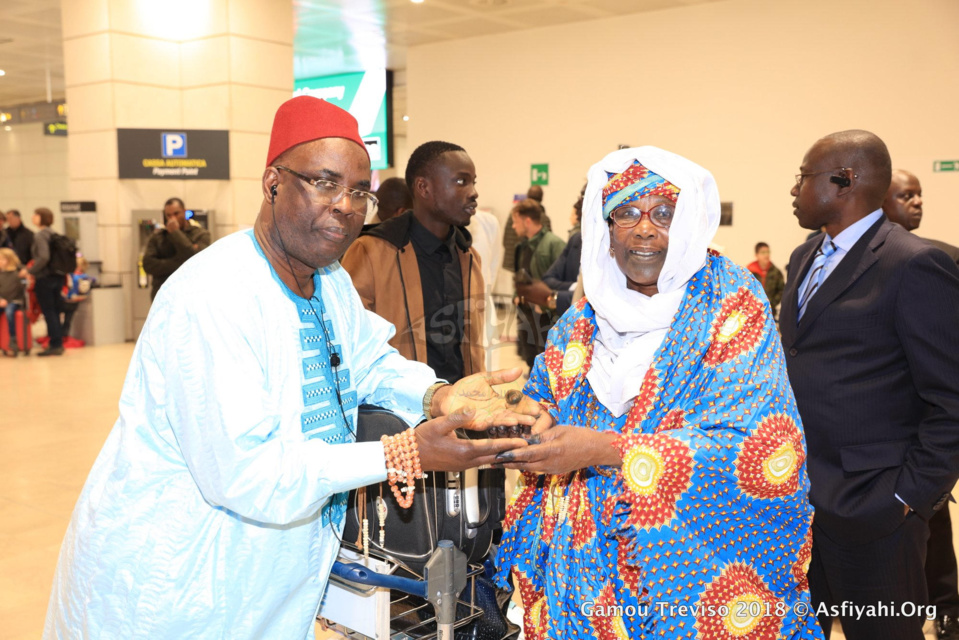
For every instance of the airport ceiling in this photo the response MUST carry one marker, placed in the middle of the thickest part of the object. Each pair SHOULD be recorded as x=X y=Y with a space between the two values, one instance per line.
x=376 y=33
x=332 y=36
x=30 y=47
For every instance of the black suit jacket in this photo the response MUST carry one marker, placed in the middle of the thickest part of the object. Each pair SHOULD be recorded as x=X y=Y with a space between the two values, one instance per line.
x=951 y=251
x=874 y=365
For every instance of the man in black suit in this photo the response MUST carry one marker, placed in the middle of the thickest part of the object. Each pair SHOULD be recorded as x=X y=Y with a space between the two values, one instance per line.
x=903 y=205
x=868 y=322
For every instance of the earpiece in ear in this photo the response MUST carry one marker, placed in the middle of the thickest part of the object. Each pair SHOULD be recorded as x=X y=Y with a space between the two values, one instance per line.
x=842 y=181
x=273 y=192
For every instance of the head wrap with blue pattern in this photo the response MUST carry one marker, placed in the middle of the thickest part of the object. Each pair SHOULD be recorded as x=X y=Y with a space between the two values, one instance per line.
x=634 y=183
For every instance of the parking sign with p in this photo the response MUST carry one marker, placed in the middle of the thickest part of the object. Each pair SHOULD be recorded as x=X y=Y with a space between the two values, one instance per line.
x=174 y=145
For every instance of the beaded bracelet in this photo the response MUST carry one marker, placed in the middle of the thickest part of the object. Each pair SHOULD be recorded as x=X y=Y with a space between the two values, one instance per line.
x=402 y=464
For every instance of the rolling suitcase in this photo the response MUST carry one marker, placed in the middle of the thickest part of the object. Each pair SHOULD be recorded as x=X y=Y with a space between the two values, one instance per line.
x=24 y=338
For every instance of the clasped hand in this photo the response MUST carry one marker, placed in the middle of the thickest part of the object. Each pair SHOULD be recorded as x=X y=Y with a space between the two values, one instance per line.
x=489 y=407
x=473 y=404
x=562 y=449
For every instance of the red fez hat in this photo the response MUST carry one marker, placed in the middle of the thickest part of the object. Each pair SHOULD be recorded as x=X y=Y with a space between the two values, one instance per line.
x=305 y=118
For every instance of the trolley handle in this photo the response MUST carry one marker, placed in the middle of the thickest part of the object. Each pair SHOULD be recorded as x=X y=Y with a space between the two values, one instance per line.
x=359 y=574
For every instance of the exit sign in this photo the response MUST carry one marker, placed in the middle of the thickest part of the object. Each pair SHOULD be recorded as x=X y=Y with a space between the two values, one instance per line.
x=945 y=165
x=539 y=174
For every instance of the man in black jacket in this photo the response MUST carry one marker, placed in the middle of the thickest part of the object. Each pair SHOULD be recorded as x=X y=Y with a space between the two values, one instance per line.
x=19 y=237
x=868 y=324
x=173 y=245
x=903 y=205
x=47 y=283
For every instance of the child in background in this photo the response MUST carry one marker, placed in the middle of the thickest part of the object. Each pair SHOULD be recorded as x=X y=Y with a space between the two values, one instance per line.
x=11 y=295
x=78 y=288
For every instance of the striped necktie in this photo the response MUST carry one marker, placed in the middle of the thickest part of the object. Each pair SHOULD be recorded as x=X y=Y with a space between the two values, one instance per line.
x=816 y=276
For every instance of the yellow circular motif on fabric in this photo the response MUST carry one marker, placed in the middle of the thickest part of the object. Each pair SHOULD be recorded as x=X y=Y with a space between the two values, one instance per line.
x=733 y=325
x=745 y=613
x=779 y=467
x=643 y=468
x=574 y=358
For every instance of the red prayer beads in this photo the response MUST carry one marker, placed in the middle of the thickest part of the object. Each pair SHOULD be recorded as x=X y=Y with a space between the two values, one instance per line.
x=402 y=465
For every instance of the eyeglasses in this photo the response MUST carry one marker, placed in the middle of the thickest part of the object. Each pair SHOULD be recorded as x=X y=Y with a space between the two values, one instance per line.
x=329 y=192
x=629 y=216
x=801 y=176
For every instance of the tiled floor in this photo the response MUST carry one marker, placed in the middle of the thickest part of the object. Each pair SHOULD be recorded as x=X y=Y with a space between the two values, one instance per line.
x=54 y=416
x=56 y=413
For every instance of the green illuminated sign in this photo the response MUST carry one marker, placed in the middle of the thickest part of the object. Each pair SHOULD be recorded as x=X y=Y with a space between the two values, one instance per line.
x=55 y=128
x=945 y=165
x=366 y=95
x=539 y=174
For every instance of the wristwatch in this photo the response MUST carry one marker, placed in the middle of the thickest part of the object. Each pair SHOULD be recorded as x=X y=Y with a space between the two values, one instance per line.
x=551 y=301
x=428 y=398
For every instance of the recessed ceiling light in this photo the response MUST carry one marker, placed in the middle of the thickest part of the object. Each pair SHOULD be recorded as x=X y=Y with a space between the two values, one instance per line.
x=8 y=128
x=2 y=72
x=406 y=118
x=417 y=1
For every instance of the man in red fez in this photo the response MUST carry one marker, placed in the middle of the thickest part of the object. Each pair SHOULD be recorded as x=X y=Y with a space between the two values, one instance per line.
x=213 y=509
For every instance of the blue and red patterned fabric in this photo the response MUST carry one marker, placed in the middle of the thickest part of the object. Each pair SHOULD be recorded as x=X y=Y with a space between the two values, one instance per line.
x=709 y=510
x=632 y=184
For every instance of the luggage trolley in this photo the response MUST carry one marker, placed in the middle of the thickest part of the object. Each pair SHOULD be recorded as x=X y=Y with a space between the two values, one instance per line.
x=365 y=600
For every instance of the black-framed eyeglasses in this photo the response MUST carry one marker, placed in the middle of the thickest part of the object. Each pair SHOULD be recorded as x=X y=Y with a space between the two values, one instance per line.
x=629 y=216
x=329 y=192
x=801 y=176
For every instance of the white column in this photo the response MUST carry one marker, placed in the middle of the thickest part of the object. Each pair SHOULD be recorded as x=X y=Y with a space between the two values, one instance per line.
x=152 y=64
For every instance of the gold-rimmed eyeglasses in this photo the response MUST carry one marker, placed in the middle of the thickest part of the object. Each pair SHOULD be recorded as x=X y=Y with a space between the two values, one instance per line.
x=329 y=192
